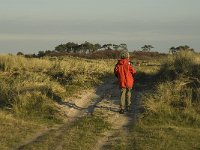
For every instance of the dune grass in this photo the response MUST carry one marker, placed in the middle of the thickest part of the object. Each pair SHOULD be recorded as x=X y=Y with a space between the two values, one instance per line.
x=31 y=87
x=31 y=90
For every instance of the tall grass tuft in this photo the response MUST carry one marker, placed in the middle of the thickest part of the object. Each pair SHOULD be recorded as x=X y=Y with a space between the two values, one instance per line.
x=173 y=105
x=176 y=99
x=6 y=93
x=35 y=105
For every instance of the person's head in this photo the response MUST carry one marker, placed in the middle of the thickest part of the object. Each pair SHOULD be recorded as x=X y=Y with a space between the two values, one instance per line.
x=124 y=54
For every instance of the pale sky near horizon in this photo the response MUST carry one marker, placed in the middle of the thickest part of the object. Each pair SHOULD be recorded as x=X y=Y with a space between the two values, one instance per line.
x=33 y=25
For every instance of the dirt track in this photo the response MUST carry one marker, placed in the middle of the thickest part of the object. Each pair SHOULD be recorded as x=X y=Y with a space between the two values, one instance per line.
x=103 y=100
x=109 y=106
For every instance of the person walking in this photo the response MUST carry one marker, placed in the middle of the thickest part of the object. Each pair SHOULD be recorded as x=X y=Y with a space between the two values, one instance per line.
x=125 y=73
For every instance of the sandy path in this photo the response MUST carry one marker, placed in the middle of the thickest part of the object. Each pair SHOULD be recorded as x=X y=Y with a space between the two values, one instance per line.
x=104 y=101
x=109 y=107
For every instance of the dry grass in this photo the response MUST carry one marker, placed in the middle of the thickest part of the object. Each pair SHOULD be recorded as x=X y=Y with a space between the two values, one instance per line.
x=34 y=83
x=31 y=90
x=14 y=131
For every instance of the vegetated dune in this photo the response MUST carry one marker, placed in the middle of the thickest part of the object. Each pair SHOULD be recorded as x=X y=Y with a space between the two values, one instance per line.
x=31 y=88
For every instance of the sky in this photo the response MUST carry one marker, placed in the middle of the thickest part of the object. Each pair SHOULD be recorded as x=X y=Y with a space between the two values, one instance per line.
x=33 y=25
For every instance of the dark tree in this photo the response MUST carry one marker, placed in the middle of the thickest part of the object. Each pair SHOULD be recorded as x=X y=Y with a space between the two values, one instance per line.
x=116 y=47
x=71 y=47
x=175 y=50
x=41 y=54
x=97 y=46
x=147 y=48
x=172 y=50
x=60 y=48
x=20 y=54
x=123 y=46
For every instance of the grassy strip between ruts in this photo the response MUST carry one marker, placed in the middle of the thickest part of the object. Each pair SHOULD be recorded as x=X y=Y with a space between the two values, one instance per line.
x=82 y=134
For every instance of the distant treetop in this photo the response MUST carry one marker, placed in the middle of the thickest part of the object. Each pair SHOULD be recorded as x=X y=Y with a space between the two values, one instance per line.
x=174 y=50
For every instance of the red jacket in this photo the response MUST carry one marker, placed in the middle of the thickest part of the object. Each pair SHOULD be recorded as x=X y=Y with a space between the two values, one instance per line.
x=124 y=72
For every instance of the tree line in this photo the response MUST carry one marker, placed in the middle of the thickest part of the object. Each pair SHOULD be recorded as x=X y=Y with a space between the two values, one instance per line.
x=83 y=48
x=87 y=48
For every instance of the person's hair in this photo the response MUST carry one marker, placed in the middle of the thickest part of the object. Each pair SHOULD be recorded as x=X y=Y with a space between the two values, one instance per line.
x=124 y=54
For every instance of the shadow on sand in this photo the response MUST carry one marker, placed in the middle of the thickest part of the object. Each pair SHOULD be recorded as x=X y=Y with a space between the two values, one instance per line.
x=109 y=93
